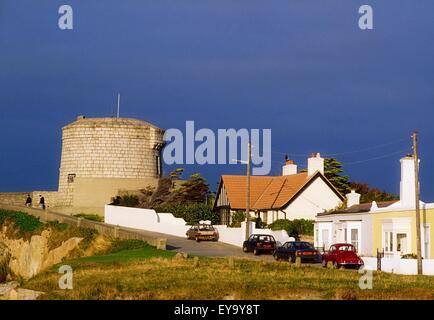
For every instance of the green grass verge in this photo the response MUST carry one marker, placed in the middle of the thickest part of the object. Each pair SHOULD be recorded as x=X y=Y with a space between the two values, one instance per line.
x=136 y=274
x=125 y=256
x=87 y=216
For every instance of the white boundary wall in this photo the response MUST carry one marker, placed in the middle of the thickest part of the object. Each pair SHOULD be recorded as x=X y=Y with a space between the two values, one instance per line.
x=149 y=220
x=400 y=266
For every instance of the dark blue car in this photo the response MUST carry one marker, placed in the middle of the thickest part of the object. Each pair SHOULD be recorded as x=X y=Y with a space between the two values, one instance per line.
x=292 y=249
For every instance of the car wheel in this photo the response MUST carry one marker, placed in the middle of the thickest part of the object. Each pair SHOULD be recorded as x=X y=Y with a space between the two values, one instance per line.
x=275 y=256
x=256 y=252
x=336 y=265
x=197 y=239
x=324 y=263
x=245 y=249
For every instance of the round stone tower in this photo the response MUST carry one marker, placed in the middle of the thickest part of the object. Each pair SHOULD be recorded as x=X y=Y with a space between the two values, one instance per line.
x=101 y=156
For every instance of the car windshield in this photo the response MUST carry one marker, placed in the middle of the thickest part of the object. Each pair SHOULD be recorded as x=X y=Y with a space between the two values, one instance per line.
x=346 y=248
x=303 y=246
x=206 y=227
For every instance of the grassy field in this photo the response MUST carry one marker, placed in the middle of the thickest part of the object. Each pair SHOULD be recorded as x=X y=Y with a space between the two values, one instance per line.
x=147 y=273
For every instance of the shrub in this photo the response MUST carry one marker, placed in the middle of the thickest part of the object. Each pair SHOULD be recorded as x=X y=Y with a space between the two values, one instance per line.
x=93 y=217
x=191 y=213
x=26 y=224
x=259 y=224
x=294 y=228
x=409 y=256
x=127 y=201
x=237 y=218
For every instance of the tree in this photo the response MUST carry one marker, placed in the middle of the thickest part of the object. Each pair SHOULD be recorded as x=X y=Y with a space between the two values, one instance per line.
x=332 y=171
x=369 y=194
x=194 y=190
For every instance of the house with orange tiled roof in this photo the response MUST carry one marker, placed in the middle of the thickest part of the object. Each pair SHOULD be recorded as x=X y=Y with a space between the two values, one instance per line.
x=292 y=195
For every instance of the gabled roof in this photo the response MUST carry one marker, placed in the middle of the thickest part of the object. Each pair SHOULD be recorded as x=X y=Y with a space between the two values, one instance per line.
x=267 y=192
x=359 y=208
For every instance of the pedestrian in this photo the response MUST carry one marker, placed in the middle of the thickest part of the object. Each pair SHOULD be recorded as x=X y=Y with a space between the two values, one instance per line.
x=28 y=201
x=41 y=202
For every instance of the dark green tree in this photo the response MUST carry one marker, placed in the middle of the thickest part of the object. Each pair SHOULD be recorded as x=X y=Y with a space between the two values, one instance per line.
x=369 y=194
x=193 y=190
x=333 y=172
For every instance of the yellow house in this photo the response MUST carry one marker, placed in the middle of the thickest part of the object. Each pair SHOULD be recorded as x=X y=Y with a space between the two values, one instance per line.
x=395 y=231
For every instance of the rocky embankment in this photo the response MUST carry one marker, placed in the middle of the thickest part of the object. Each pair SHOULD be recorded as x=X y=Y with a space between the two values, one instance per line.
x=27 y=258
x=20 y=258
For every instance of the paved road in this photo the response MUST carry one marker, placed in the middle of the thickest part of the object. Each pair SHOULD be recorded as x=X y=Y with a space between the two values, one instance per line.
x=203 y=248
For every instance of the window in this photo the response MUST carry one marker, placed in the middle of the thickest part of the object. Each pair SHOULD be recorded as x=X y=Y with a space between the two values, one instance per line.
x=325 y=238
x=345 y=235
x=158 y=165
x=426 y=230
x=71 y=177
x=355 y=238
x=388 y=241
x=401 y=242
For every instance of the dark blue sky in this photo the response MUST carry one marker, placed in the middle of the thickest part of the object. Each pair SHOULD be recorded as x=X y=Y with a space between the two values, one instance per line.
x=302 y=68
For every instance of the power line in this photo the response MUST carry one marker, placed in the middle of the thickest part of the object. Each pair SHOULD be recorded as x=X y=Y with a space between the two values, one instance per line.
x=367 y=149
x=375 y=158
x=346 y=152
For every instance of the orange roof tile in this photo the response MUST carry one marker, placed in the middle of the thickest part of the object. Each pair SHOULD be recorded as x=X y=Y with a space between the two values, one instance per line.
x=265 y=192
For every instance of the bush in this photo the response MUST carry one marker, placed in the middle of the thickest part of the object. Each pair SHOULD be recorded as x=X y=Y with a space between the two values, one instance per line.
x=409 y=256
x=93 y=217
x=191 y=213
x=27 y=225
x=259 y=224
x=237 y=218
x=294 y=228
x=126 y=201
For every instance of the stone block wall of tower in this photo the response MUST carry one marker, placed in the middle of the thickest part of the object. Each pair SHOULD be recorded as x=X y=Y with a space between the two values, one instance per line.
x=108 y=148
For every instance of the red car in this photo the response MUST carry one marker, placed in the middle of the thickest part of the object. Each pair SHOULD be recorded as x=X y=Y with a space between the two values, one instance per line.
x=342 y=255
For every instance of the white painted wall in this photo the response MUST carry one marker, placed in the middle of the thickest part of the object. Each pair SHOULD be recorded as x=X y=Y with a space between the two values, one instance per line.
x=146 y=219
x=336 y=225
x=318 y=197
x=399 y=266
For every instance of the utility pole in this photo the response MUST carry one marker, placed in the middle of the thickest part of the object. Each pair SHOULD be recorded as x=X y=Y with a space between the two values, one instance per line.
x=249 y=157
x=417 y=195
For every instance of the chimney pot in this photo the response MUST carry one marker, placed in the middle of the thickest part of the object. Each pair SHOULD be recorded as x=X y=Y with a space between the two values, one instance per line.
x=289 y=168
x=315 y=163
x=353 y=198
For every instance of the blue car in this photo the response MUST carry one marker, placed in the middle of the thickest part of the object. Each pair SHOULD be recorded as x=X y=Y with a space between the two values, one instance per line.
x=292 y=249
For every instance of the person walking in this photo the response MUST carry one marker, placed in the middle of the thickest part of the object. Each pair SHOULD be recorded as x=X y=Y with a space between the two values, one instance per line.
x=41 y=202
x=28 y=201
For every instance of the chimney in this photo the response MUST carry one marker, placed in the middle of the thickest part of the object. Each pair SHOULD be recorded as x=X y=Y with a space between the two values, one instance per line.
x=315 y=163
x=353 y=198
x=289 y=168
x=407 y=192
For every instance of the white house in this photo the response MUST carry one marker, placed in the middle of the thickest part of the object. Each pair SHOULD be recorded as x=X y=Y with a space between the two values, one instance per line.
x=384 y=226
x=291 y=196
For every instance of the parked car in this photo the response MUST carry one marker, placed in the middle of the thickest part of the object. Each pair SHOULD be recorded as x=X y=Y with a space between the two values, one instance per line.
x=202 y=232
x=292 y=249
x=260 y=243
x=342 y=255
